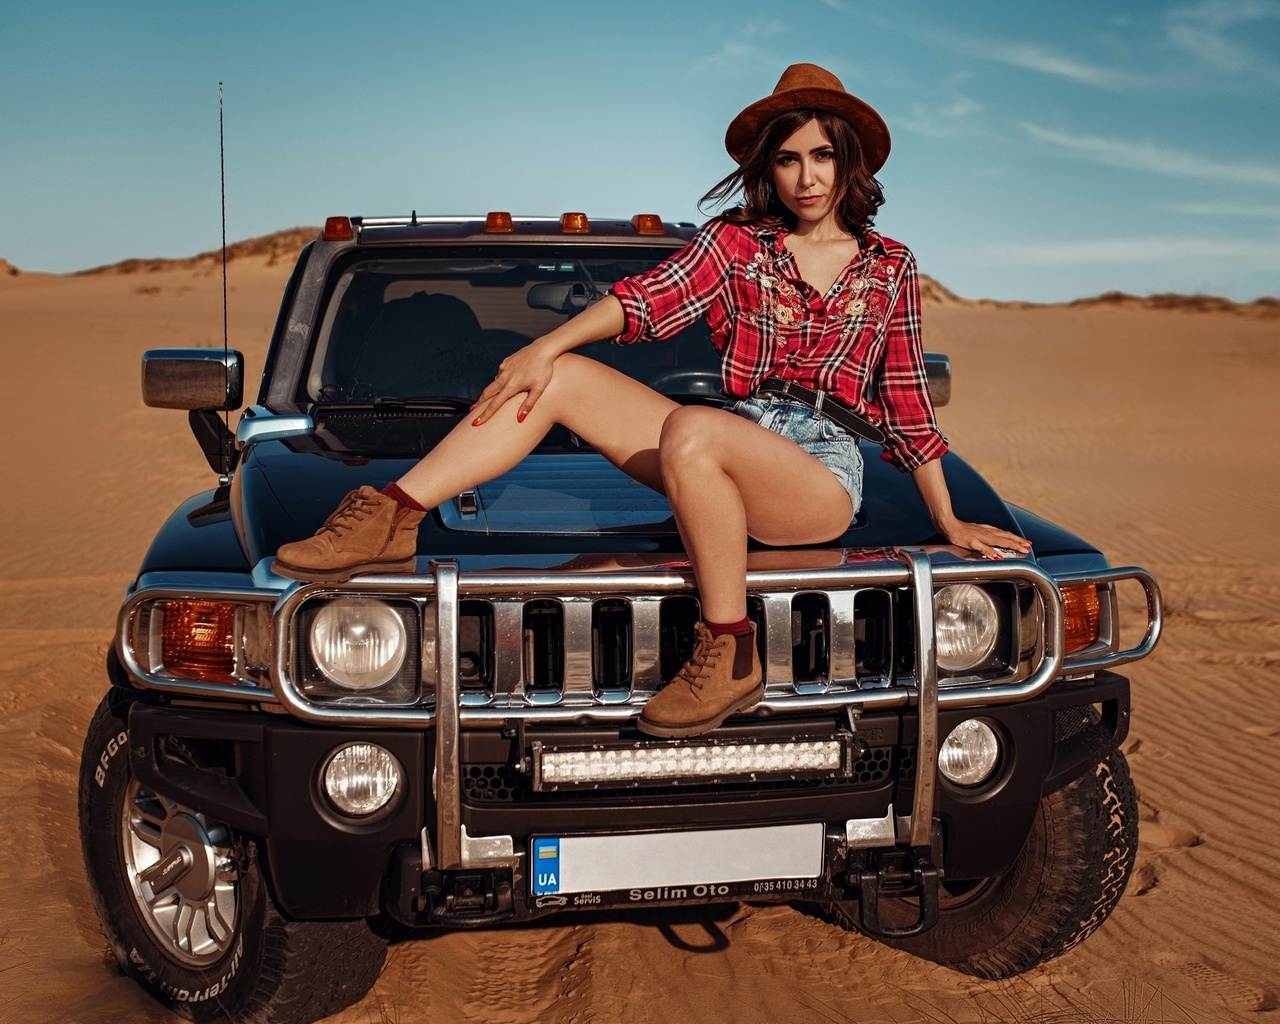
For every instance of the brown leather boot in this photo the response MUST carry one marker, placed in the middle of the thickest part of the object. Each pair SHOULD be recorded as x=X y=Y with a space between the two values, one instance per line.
x=722 y=678
x=367 y=532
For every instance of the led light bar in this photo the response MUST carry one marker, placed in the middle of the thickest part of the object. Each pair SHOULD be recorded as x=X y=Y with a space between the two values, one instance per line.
x=673 y=763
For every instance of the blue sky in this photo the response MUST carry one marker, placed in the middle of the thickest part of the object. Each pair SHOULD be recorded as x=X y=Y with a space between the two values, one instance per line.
x=1041 y=151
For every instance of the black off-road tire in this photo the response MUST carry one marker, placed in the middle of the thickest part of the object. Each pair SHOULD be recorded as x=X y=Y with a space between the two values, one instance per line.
x=225 y=955
x=1064 y=884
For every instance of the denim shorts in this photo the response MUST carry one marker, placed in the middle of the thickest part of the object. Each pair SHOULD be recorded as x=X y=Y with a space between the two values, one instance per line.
x=826 y=441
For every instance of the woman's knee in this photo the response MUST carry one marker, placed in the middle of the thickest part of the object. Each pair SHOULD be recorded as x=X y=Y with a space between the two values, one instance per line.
x=688 y=440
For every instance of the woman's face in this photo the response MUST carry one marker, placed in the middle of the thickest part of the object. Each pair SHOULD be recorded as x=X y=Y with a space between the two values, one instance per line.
x=804 y=174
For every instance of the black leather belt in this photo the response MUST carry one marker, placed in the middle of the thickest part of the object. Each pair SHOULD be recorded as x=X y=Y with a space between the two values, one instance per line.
x=823 y=404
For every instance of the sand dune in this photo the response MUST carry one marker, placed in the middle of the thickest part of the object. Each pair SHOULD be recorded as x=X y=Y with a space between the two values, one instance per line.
x=1149 y=428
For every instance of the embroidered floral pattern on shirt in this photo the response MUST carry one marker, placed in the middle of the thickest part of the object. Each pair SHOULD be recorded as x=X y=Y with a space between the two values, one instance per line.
x=866 y=303
x=860 y=342
x=780 y=300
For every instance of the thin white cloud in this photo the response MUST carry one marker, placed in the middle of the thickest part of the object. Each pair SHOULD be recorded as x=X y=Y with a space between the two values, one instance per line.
x=952 y=114
x=1037 y=58
x=736 y=57
x=1153 y=158
x=1201 y=31
x=764 y=26
x=1254 y=212
x=741 y=53
x=1140 y=250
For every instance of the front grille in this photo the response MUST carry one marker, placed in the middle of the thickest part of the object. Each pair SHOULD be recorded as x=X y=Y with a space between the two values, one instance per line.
x=490 y=784
x=557 y=644
x=514 y=651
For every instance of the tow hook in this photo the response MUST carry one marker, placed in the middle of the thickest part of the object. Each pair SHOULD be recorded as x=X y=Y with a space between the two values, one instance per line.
x=895 y=873
x=467 y=899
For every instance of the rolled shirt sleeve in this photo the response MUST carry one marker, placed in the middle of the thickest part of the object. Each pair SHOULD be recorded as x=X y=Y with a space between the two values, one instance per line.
x=663 y=301
x=912 y=434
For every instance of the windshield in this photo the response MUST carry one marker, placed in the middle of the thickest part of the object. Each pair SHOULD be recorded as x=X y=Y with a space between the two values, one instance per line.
x=422 y=329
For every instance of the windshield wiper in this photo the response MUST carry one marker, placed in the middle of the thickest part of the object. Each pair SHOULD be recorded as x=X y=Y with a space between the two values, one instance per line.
x=430 y=403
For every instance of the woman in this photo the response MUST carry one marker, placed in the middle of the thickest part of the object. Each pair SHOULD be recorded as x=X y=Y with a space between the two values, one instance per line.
x=816 y=318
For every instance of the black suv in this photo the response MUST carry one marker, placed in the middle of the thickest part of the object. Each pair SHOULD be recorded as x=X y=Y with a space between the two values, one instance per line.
x=283 y=777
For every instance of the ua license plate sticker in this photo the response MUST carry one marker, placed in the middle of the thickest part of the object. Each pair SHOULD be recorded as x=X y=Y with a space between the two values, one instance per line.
x=656 y=861
x=546 y=867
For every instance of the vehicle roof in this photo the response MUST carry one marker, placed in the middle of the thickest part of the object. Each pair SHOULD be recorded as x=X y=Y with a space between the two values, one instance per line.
x=473 y=228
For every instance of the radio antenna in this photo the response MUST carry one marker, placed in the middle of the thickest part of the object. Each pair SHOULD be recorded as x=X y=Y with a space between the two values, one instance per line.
x=222 y=185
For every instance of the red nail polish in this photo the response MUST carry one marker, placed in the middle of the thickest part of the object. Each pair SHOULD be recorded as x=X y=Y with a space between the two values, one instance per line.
x=520 y=416
x=476 y=422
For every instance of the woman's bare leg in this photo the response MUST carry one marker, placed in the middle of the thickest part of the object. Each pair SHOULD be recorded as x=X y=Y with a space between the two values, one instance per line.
x=727 y=478
x=619 y=417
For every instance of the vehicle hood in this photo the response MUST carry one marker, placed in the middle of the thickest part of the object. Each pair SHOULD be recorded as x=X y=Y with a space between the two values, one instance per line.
x=554 y=502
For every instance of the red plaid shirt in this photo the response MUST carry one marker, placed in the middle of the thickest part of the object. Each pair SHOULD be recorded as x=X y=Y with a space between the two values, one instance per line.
x=860 y=343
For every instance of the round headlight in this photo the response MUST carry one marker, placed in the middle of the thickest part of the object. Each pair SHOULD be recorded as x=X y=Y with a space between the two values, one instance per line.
x=970 y=753
x=361 y=778
x=358 y=643
x=966 y=624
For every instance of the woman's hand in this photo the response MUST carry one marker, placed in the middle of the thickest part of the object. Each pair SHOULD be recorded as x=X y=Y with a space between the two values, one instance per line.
x=989 y=541
x=526 y=371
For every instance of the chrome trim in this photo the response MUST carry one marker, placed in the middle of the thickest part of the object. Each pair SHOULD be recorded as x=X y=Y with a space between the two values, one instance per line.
x=258 y=423
x=506 y=591
x=1113 y=657
x=449 y=829
x=976 y=695
x=486 y=851
x=926 y=697
x=192 y=378
x=428 y=854
x=868 y=832
x=132 y=608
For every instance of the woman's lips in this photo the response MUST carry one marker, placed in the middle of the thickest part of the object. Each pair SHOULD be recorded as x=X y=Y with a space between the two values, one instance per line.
x=809 y=200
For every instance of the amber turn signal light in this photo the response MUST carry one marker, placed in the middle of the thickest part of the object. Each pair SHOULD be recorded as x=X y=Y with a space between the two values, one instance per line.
x=648 y=224
x=1082 y=617
x=338 y=229
x=498 y=222
x=575 y=224
x=199 y=640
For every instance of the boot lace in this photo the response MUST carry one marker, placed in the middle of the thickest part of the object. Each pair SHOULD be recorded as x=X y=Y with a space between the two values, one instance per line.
x=702 y=664
x=354 y=509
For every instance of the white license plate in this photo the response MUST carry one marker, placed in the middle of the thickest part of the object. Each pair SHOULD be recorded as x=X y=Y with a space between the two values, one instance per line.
x=663 y=860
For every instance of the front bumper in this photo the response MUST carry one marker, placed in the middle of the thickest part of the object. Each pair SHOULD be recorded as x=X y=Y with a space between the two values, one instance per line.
x=323 y=865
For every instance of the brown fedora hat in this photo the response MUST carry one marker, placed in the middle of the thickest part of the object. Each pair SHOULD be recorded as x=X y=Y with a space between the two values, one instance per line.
x=809 y=87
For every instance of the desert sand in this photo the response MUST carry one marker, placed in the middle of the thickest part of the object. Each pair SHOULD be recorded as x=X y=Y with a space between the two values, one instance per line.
x=1152 y=429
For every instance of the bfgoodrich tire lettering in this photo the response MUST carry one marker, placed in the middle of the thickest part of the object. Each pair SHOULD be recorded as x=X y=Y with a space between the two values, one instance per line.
x=1065 y=883
x=186 y=909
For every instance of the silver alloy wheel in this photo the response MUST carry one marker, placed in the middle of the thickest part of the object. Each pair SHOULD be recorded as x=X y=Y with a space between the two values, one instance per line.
x=183 y=873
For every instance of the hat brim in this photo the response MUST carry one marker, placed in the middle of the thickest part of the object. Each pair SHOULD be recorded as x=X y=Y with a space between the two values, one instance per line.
x=872 y=132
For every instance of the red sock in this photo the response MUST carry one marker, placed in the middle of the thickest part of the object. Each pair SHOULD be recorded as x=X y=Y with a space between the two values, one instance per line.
x=398 y=494
x=740 y=628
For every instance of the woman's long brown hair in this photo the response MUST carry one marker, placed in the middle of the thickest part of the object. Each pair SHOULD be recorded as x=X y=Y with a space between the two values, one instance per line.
x=859 y=195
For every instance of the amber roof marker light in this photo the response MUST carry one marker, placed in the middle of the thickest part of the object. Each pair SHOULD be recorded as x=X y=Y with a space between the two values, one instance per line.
x=498 y=222
x=338 y=229
x=575 y=224
x=648 y=224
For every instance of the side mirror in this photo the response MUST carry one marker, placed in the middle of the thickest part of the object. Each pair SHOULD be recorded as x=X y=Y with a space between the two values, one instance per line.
x=192 y=378
x=937 y=369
